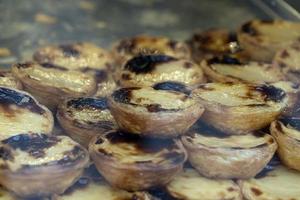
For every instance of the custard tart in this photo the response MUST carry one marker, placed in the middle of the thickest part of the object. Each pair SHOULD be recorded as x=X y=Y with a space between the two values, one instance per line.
x=154 y=113
x=229 y=156
x=237 y=108
x=49 y=163
x=261 y=38
x=21 y=113
x=82 y=118
x=146 y=70
x=133 y=163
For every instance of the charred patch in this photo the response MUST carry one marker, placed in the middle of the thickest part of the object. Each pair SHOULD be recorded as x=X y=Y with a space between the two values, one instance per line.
x=256 y=191
x=161 y=193
x=224 y=60
x=24 y=65
x=100 y=74
x=9 y=97
x=172 y=86
x=249 y=29
x=188 y=65
x=104 y=152
x=143 y=144
x=71 y=157
x=52 y=66
x=6 y=154
x=4 y=74
x=158 y=108
x=69 y=50
x=146 y=63
x=172 y=44
x=126 y=77
x=271 y=93
x=82 y=103
x=99 y=141
x=284 y=54
x=273 y=163
x=34 y=144
x=267 y=21
x=123 y=95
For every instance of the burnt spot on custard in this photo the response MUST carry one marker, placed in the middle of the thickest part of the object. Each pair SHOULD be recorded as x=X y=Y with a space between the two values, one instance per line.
x=172 y=44
x=11 y=97
x=227 y=60
x=161 y=193
x=172 y=86
x=4 y=73
x=292 y=121
x=157 y=108
x=146 y=63
x=147 y=145
x=273 y=163
x=24 y=65
x=34 y=144
x=249 y=29
x=271 y=93
x=124 y=95
x=69 y=50
x=73 y=156
x=53 y=66
x=100 y=74
x=82 y=103
x=284 y=54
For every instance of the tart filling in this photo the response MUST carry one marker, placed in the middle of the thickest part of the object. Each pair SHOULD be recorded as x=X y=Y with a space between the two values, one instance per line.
x=230 y=156
x=82 y=118
x=79 y=56
x=190 y=185
x=287 y=59
x=261 y=39
x=21 y=113
x=130 y=47
x=152 y=112
x=8 y=80
x=279 y=183
x=146 y=70
x=229 y=69
x=51 y=163
x=240 y=108
x=134 y=163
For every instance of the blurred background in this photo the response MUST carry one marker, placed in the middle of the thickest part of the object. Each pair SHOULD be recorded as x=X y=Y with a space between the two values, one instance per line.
x=25 y=25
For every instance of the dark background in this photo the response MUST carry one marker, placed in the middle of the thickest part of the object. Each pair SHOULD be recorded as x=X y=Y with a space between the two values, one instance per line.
x=28 y=24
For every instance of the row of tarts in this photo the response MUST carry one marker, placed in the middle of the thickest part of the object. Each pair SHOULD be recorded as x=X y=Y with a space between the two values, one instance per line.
x=199 y=120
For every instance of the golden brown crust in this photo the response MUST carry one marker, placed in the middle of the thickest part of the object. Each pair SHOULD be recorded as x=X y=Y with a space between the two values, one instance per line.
x=240 y=108
x=50 y=163
x=134 y=163
x=147 y=112
x=261 y=39
x=288 y=141
x=229 y=157
x=229 y=69
x=51 y=85
x=83 y=118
